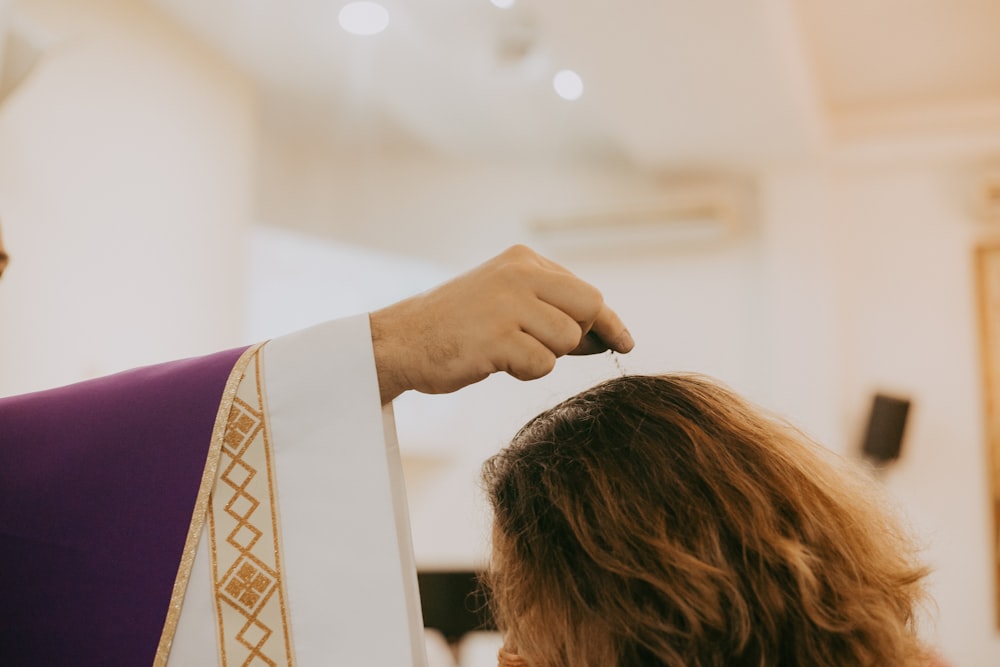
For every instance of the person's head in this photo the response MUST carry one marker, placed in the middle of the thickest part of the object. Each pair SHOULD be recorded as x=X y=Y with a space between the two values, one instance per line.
x=662 y=520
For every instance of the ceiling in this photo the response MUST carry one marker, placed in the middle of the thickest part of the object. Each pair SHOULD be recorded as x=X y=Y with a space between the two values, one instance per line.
x=667 y=82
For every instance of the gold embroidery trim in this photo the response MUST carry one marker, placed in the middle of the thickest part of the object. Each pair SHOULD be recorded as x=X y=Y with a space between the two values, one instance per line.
x=201 y=505
x=247 y=579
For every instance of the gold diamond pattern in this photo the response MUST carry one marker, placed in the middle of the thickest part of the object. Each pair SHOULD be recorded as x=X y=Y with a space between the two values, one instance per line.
x=241 y=429
x=247 y=585
x=246 y=570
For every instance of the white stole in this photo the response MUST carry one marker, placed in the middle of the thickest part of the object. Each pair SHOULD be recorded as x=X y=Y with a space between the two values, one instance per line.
x=305 y=557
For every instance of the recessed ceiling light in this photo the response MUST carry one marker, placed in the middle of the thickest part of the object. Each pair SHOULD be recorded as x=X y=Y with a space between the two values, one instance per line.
x=363 y=18
x=503 y=4
x=568 y=84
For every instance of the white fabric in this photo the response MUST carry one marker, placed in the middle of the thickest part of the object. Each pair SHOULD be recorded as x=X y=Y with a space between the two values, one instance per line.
x=347 y=555
x=196 y=639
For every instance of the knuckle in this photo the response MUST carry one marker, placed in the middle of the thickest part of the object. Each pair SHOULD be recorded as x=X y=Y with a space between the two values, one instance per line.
x=569 y=338
x=533 y=366
x=542 y=364
x=519 y=250
x=546 y=364
x=594 y=295
x=517 y=272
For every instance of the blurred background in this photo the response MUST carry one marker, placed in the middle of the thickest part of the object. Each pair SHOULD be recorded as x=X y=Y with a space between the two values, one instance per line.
x=788 y=195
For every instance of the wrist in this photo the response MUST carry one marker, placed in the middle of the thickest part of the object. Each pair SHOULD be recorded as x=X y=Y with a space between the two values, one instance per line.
x=391 y=381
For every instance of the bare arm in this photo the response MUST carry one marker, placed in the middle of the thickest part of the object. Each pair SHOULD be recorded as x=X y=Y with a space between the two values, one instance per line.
x=516 y=313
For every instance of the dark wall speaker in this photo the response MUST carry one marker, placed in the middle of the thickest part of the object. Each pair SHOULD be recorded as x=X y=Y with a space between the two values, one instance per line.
x=886 y=424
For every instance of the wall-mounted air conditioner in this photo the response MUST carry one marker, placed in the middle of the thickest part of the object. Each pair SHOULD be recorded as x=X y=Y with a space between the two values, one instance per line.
x=682 y=217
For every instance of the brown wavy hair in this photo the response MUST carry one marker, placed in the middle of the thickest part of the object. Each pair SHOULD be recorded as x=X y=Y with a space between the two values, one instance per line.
x=664 y=521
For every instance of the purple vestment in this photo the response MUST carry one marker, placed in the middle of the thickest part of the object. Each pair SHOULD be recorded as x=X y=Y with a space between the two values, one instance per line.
x=98 y=482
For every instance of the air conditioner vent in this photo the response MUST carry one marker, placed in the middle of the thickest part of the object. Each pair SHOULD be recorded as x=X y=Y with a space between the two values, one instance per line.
x=681 y=218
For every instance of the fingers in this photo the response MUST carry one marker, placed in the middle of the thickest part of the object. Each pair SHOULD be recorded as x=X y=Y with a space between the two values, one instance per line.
x=601 y=327
x=552 y=327
x=584 y=303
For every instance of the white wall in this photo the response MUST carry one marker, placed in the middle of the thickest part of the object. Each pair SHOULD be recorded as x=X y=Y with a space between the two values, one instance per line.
x=125 y=181
x=904 y=238
x=4 y=26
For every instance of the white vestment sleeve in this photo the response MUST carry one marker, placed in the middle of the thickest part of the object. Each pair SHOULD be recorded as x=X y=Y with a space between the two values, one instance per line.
x=346 y=553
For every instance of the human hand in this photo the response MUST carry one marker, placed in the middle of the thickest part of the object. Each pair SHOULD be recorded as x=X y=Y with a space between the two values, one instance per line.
x=516 y=313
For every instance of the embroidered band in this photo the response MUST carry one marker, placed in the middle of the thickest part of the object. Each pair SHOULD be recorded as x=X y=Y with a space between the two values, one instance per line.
x=249 y=588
